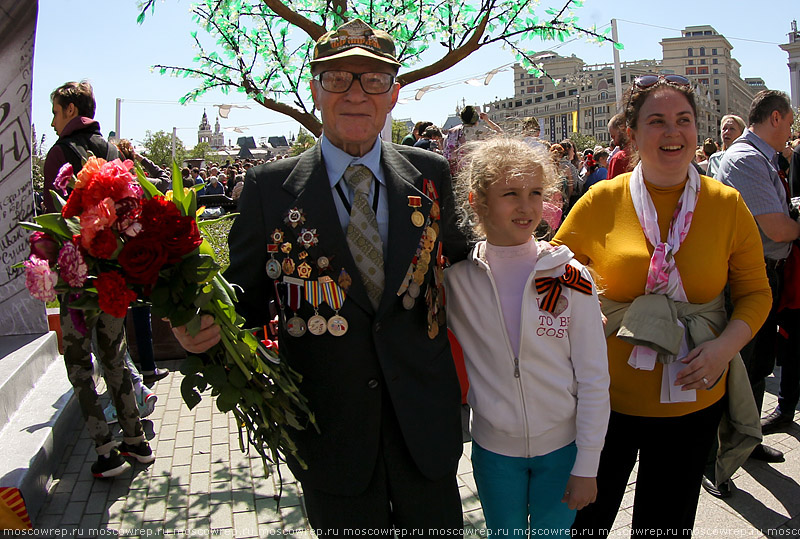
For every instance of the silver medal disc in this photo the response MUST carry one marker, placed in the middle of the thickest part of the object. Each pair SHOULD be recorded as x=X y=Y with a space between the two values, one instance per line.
x=296 y=327
x=317 y=325
x=413 y=291
x=273 y=268
x=408 y=301
x=337 y=325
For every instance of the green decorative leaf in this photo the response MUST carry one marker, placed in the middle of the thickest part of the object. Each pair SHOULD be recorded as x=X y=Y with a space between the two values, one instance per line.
x=54 y=224
x=190 y=396
x=228 y=398
x=191 y=365
x=619 y=46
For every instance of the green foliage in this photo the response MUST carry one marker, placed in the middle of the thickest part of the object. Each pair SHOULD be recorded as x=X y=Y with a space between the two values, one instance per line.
x=246 y=46
x=37 y=160
x=303 y=142
x=199 y=151
x=581 y=141
x=399 y=131
x=158 y=148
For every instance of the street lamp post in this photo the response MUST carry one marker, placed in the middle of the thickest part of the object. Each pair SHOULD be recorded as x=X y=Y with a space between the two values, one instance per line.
x=579 y=79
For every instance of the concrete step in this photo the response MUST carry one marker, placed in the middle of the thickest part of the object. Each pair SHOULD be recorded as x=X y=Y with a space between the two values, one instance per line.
x=38 y=414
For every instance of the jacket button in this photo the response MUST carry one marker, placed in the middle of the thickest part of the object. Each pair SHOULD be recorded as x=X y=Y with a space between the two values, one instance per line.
x=372 y=384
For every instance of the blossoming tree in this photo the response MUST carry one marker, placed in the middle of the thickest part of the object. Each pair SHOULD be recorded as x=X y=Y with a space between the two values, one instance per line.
x=263 y=47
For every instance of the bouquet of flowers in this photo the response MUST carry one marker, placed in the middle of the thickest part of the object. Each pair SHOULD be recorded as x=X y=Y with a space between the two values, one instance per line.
x=118 y=241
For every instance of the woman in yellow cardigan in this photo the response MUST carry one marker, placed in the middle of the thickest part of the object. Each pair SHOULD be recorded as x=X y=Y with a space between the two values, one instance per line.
x=664 y=241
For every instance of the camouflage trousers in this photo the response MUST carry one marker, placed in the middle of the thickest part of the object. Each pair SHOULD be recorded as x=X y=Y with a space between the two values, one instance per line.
x=110 y=352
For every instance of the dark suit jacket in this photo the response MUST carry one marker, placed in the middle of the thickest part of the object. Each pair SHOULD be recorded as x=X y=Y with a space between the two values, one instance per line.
x=385 y=354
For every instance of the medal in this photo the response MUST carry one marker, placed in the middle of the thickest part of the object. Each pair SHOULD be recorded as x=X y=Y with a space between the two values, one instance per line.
x=309 y=237
x=317 y=325
x=430 y=234
x=273 y=266
x=334 y=296
x=433 y=330
x=302 y=255
x=277 y=235
x=416 y=217
x=435 y=213
x=418 y=276
x=288 y=266
x=408 y=301
x=296 y=327
x=286 y=248
x=295 y=217
x=424 y=258
x=413 y=290
x=344 y=280
x=304 y=270
x=337 y=326
x=323 y=262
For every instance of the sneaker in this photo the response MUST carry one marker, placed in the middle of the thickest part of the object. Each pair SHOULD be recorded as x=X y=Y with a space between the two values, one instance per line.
x=140 y=451
x=110 y=466
x=776 y=421
x=111 y=414
x=151 y=377
x=146 y=401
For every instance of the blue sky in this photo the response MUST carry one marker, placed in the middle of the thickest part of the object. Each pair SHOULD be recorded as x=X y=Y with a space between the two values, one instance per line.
x=99 y=40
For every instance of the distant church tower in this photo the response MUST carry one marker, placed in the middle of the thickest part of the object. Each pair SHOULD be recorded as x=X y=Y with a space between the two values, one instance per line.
x=793 y=48
x=215 y=139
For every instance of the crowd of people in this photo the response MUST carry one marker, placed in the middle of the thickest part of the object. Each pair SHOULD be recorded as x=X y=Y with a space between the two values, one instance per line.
x=613 y=304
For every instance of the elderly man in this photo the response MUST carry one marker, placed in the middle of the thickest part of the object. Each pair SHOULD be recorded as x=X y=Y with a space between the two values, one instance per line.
x=353 y=235
x=731 y=127
x=750 y=166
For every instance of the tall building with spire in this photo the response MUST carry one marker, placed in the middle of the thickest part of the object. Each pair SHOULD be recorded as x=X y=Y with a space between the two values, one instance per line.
x=215 y=139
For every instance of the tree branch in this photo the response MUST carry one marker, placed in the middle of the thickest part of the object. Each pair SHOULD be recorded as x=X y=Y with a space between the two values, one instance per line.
x=448 y=60
x=311 y=28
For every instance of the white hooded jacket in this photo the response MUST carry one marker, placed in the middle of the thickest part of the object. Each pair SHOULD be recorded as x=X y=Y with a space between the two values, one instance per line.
x=556 y=391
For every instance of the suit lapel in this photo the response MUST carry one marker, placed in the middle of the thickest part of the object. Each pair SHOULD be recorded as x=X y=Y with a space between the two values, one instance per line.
x=401 y=180
x=309 y=184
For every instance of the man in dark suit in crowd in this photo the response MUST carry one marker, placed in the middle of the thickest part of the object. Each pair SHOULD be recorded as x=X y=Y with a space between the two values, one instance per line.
x=353 y=234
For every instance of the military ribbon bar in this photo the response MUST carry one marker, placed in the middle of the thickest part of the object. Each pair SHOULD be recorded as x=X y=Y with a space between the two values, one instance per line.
x=551 y=287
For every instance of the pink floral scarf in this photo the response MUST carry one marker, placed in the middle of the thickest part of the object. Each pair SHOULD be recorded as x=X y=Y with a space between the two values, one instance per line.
x=663 y=276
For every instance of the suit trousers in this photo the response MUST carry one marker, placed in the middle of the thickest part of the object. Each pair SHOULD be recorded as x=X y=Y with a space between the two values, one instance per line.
x=398 y=498
x=672 y=453
x=788 y=357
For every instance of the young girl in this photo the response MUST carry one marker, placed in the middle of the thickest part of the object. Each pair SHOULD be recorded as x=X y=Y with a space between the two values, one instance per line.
x=528 y=319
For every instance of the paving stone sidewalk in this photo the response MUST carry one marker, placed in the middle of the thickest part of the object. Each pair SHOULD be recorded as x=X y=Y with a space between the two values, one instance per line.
x=201 y=484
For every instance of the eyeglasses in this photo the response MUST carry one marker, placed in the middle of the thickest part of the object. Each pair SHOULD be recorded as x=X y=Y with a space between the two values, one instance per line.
x=339 y=82
x=646 y=81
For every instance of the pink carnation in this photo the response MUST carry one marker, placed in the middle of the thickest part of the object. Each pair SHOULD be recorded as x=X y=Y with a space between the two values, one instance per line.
x=63 y=177
x=40 y=279
x=73 y=267
x=96 y=218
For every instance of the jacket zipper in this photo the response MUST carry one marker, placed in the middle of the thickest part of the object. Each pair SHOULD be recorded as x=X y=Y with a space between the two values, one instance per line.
x=511 y=352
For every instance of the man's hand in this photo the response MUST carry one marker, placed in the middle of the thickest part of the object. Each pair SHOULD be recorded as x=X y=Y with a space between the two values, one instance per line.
x=580 y=492
x=207 y=337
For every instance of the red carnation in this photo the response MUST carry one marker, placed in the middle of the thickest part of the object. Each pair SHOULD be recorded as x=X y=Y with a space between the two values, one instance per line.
x=104 y=244
x=158 y=216
x=113 y=295
x=142 y=259
x=74 y=205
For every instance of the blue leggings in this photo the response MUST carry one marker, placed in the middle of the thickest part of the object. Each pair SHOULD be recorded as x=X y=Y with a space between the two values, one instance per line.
x=514 y=489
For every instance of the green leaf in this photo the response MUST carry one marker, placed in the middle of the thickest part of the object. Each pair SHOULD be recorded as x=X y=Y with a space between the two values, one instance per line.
x=191 y=365
x=199 y=269
x=149 y=189
x=619 y=46
x=237 y=378
x=191 y=397
x=228 y=398
x=54 y=224
x=216 y=375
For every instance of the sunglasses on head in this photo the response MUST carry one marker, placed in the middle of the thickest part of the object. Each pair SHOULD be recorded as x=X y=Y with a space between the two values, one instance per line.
x=648 y=81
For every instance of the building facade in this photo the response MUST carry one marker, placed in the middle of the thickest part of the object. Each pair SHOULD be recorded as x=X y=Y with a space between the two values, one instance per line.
x=581 y=97
x=793 y=49
x=215 y=139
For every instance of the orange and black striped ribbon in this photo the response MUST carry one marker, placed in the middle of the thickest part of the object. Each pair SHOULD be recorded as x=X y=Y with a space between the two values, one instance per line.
x=551 y=287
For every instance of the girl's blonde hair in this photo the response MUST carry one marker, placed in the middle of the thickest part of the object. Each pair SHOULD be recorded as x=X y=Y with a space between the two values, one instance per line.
x=486 y=162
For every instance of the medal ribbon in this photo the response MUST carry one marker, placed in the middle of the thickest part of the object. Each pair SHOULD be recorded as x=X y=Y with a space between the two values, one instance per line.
x=312 y=293
x=333 y=295
x=551 y=287
x=295 y=296
x=430 y=190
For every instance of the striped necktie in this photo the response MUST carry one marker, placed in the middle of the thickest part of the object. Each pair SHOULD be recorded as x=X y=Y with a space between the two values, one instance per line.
x=362 y=233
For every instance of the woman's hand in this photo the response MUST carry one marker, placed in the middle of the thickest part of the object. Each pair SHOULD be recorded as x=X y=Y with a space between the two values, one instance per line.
x=706 y=362
x=580 y=492
x=207 y=337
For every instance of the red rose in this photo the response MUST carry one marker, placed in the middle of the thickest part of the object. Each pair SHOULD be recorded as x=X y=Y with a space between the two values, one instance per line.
x=104 y=244
x=142 y=258
x=113 y=294
x=181 y=237
x=44 y=246
x=158 y=216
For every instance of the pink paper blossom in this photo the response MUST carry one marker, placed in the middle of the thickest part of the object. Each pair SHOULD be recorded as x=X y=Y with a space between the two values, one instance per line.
x=62 y=178
x=40 y=279
x=73 y=267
